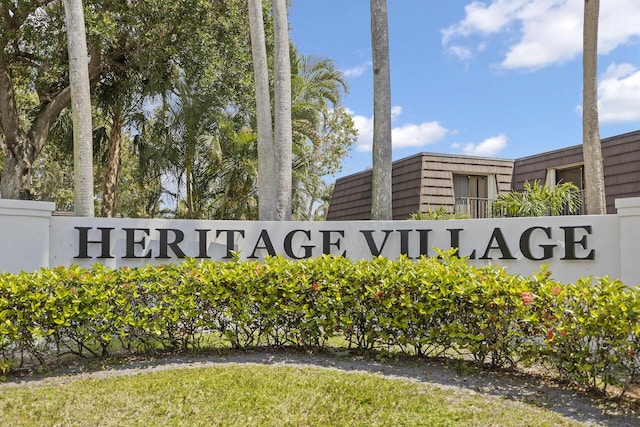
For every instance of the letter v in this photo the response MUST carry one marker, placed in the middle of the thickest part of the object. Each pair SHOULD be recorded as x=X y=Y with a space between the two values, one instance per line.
x=373 y=248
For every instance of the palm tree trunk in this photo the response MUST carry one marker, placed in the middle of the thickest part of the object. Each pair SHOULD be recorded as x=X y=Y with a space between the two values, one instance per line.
x=591 y=148
x=81 y=108
x=266 y=159
x=283 y=131
x=381 y=195
x=188 y=179
x=113 y=166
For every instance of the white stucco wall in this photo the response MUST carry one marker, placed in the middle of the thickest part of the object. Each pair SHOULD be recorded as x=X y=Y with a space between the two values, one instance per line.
x=24 y=235
x=572 y=246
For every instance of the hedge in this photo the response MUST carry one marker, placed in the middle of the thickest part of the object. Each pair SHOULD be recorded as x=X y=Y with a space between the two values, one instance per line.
x=587 y=332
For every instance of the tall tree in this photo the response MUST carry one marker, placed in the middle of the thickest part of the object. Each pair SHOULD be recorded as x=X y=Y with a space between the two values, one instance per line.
x=23 y=140
x=593 y=166
x=119 y=102
x=151 y=38
x=80 y=108
x=184 y=136
x=322 y=129
x=266 y=154
x=381 y=196
x=283 y=132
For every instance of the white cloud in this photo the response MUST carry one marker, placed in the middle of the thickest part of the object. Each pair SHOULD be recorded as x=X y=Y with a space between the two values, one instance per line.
x=364 y=125
x=357 y=71
x=541 y=32
x=487 y=148
x=619 y=94
x=411 y=135
x=461 y=52
x=407 y=135
x=480 y=18
x=551 y=34
x=396 y=111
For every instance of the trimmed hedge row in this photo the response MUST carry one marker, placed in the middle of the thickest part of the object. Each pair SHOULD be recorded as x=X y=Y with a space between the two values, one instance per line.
x=587 y=332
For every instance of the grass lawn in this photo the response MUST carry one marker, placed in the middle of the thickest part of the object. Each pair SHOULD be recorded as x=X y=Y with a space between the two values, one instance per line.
x=256 y=395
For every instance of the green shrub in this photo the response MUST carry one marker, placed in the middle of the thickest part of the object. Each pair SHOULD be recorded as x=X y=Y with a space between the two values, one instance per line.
x=588 y=332
x=439 y=213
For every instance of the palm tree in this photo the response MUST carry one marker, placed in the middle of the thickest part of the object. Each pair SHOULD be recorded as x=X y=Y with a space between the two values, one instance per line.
x=266 y=159
x=151 y=171
x=114 y=150
x=592 y=152
x=235 y=186
x=322 y=132
x=381 y=180
x=319 y=212
x=119 y=101
x=81 y=108
x=187 y=146
x=283 y=132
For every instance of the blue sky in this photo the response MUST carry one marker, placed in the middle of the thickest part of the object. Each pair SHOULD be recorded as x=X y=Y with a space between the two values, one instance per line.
x=495 y=78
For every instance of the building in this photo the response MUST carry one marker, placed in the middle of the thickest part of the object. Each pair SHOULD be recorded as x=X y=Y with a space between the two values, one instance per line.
x=621 y=159
x=467 y=184
x=426 y=181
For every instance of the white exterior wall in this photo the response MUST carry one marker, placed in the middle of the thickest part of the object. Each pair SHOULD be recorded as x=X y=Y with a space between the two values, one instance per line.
x=629 y=232
x=24 y=235
x=572 y=246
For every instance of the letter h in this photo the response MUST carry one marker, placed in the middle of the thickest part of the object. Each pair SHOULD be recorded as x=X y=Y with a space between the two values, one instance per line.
x=83 y=242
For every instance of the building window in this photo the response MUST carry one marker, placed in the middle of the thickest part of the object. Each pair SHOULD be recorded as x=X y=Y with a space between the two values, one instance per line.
x=473 y=194
x=574 y=175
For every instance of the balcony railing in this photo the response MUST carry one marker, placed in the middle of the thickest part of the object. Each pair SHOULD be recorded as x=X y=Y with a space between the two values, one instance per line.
x=582 y=210
x=475 y=207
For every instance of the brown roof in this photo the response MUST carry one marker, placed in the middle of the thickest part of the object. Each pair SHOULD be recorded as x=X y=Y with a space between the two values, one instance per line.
x=621 y=158
x=419 y=182
x=425 y=181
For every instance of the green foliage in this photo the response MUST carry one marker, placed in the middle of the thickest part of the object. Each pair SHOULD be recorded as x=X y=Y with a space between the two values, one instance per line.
x=591 y=331
x=53 y=178
x=588 y=332
x=195 y=154
x=137 y=49
x=323 y=131
x=438 y=213
x=539 y=200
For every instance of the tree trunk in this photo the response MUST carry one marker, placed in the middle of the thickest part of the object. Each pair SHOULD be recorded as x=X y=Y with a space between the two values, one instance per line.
x=381 y=195
x=266 y=158
x=283 y=131
x=16 y=173
x=81 y=108
x=22 y=148
x=188 y=183
x=591 y=148
x=18 y=152
x=113 y=166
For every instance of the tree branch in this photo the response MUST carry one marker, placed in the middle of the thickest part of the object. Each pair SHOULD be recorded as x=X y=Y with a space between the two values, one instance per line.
x=95 y=64
x=51 y=110
x=26 y=57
